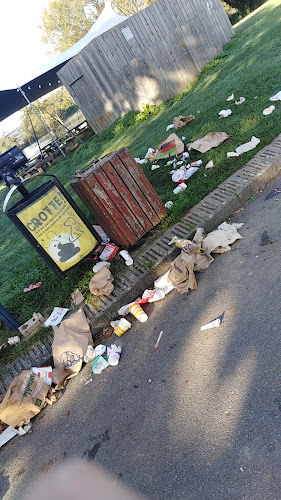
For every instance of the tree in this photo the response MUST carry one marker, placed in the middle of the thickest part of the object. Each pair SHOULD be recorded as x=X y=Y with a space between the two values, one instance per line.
x=65 y=22
x=128 y=7
x=58 y=105
x=244 y=6
x=7 y=142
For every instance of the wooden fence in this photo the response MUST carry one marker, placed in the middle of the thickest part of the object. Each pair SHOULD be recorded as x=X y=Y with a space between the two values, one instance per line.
x=147 y=58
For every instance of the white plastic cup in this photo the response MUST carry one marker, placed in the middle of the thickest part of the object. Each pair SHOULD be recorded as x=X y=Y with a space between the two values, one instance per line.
x=14 y=340
x=138 y=312
x=168 y=204
x=127 y=258
x=113 y=354
x=122 y=327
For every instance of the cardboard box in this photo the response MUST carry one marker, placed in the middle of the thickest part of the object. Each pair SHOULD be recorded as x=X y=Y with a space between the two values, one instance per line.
x=32 y=324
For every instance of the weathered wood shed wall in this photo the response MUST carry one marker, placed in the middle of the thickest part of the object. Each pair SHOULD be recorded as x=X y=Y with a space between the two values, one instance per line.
x=147 y=58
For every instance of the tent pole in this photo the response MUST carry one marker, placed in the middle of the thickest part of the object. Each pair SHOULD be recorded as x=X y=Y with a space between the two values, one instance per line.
x=63 y=125
x=39 y=118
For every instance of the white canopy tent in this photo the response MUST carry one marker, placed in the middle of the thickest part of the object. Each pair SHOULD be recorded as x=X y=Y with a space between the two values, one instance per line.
x=43 y=80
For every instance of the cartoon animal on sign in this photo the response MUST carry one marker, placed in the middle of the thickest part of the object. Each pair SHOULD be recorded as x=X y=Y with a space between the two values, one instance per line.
x=62 y=248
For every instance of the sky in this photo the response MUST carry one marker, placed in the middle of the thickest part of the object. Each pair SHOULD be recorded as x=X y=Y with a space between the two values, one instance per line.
x=21 y=49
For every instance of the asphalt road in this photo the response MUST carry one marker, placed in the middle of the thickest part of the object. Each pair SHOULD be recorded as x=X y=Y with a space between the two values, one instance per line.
x=200 y=419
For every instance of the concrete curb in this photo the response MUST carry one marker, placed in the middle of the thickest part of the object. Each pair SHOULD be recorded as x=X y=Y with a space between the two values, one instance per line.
x=156 y=258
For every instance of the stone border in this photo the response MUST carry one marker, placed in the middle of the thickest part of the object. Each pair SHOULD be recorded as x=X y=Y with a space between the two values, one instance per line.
x=208 y=213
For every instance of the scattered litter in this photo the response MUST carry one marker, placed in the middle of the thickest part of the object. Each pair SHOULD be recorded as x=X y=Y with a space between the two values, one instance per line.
x=213 y=324
x=181 y=121
x=98 y=365
x=183 y=138
x=56 y=316
x=276 y=97
x=138 y=312
x=185 y=155
x=210 y=164
x=197 y=163
x=190 y=246
x=152 y=295
x=181 y=275
x=88 y=381
x=224 y=113
x=149 y=381
x=90 y=354
x=181 y=187
x=113 y=354
x=44 y=372
x=139 y=161
x=102 y=282
x=162 y=283
x=13 y=340
x=25 y=398
x=230 y=97
x=71 y=340
x=121 y=327
x=168 y=204
x=269 y=110
x=209 y=141
x=10 y=433
x=179 y=162
x=198 y=111
x=109 y=251
x=158 y=340
x=33 y=287
x=100 y=349
x=170 y=126
x=154 y=167
x=99 y=265
x=77 y=298
x=127 y=257
x=104 y=238
x=32 y=324
x=150 y=154
x=244 y=148
x=218 y=241
x=172 y=145
x=183 y=175
x=241 y=100
x=274 y=192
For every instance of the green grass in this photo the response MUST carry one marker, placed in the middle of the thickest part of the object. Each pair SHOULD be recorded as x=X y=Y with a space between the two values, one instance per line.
x=249 y=66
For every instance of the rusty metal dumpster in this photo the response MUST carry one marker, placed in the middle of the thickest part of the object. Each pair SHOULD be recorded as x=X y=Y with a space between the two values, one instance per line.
x=121 y=198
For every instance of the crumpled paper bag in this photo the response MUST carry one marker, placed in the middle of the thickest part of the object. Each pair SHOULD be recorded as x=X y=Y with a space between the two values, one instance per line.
x=25 y=398
x=209 y=141
x=181 y=121
x=69 y=347
x=101 y=282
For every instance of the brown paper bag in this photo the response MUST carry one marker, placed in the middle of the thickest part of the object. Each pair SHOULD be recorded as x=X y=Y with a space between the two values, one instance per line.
x=101 y=282
x=181 y=274
x=181 y=121
x=70 y=343
x=24 y=399
x=209 y=141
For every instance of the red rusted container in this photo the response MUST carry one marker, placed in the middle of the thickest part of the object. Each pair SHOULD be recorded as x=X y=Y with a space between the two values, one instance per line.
x=121 y=198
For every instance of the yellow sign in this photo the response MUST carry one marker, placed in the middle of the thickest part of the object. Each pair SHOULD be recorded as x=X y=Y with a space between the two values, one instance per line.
x=58 y=229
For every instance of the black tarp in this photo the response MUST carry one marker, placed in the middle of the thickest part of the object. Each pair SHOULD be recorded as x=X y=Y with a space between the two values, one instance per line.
x=12 y=100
